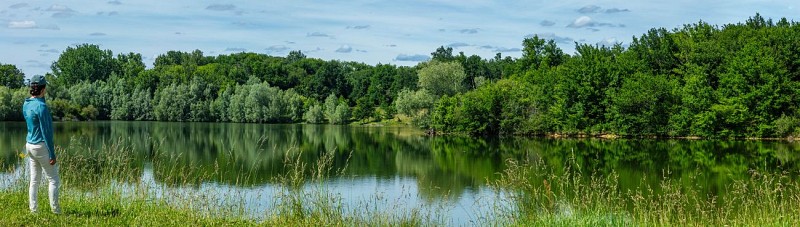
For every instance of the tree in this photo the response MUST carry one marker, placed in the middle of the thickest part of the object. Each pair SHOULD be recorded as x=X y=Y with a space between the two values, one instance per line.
x=6 y=103
x=443 y=54
x=130 y=65
x=330 y=107
x=172 y=103
x=442 y=78
x=642 y=105
x=538 y=53
x=85 y=62
x=295 y=56
x=314 y=115
x=342 y=114
x=11 y=77
x=415 y=104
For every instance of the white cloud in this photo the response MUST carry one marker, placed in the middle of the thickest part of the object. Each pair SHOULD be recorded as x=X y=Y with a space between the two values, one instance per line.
x=590 y=24
x=115 y=2
x=581 y=22
x=415 y=57
x=22 y=24
x=97 y=34
x=344 y=49
x=59 y=8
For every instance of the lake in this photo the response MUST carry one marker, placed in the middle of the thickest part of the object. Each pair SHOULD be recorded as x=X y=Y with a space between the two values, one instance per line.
x=386 y=168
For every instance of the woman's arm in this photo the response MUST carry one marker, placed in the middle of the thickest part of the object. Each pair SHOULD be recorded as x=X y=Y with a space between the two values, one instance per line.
x=46 y=124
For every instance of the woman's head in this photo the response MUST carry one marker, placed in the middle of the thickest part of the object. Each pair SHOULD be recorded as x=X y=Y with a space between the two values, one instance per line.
x=38 y=85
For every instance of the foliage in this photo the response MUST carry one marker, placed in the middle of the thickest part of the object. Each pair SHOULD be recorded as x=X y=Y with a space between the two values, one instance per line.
x=85 y=62
x=700 y=80
x=11 y=77
x=417 y=105
x=314 y=115
x=442 y=78
x=337 y=112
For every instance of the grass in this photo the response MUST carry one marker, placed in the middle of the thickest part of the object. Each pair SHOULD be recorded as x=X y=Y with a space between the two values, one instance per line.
x=528 y=193
x=104 y=210
x=573 y=197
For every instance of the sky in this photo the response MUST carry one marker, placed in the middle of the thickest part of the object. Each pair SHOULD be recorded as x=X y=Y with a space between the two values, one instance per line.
x=402 y=32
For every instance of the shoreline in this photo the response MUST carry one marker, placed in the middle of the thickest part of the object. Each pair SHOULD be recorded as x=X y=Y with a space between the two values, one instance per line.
x=429 y=132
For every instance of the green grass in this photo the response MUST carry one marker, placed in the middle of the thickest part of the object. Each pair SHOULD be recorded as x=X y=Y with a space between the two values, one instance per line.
x=572 y=197
x=104 y=210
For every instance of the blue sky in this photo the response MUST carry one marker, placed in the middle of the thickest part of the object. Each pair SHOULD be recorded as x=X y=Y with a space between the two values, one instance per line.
x=34 y=33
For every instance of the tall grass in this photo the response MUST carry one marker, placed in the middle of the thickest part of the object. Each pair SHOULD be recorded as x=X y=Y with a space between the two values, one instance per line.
x=572 y=196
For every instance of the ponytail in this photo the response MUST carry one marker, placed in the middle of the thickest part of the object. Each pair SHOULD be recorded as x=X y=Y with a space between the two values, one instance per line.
x=36 y=89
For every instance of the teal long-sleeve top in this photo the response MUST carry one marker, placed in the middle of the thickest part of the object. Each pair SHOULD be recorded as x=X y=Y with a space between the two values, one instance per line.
x=40 y=123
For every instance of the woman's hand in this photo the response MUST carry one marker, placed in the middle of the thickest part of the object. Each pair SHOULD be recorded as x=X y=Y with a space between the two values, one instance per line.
x=52 y=162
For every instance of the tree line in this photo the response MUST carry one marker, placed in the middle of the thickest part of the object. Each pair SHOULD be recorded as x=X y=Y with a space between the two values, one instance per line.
x=735 y=80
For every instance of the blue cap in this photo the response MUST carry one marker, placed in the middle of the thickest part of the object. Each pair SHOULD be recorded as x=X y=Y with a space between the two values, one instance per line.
x=38 y=79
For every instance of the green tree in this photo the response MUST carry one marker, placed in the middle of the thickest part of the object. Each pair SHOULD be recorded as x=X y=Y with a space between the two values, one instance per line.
x=85 y=62
x=314 y=115
x=11 y=77
x=443 y=54
x=442 y=78
x=6 y=103
x=330 y=107
x=342 y=114
x=417 y=105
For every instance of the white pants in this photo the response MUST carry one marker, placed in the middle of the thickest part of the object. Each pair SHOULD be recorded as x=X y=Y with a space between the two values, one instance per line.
x=40 y=160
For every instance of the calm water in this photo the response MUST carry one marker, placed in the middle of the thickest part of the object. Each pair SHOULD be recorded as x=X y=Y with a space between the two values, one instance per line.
x=396 y=168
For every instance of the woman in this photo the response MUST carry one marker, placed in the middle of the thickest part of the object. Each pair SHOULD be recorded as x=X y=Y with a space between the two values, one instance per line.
x=40 y=144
